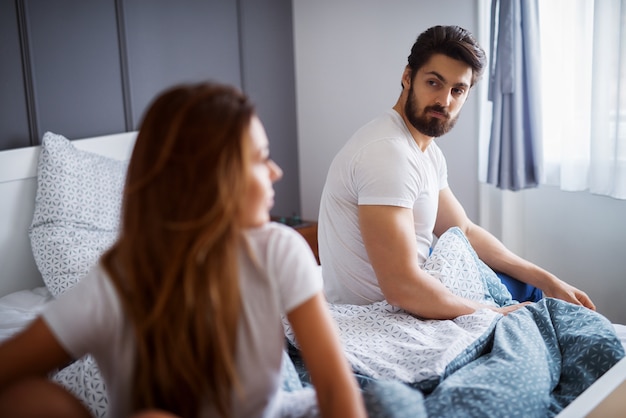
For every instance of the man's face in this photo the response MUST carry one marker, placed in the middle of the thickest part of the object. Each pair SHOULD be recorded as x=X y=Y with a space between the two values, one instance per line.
x=437 y=94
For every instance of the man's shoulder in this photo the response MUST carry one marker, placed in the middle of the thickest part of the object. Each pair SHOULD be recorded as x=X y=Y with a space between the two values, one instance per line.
x=387 y=124
x=380 y=132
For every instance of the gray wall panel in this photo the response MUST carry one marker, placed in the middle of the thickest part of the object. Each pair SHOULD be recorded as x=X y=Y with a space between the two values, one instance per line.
x=13 y=114
x=267 y=55
x=76 y=67
x=170 y=42
x=84 y=69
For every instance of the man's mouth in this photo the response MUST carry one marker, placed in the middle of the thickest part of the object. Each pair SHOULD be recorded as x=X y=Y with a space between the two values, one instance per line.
x=437 y=112
x=438 y=115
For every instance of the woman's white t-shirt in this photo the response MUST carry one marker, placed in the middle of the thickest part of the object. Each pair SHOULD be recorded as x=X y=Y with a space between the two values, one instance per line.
x=277 y=275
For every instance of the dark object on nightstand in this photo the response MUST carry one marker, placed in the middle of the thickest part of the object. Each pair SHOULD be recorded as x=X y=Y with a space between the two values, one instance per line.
x=308 y=229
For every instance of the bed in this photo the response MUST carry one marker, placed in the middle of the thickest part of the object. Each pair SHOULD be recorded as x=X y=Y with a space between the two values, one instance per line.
x=59 y=210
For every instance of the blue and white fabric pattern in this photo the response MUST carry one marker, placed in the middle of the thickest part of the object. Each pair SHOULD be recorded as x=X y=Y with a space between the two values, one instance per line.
x=536 y=361
x=77 y=210
x=455 y=263
x=83 y=379
x=530 y=363
x=384 y=342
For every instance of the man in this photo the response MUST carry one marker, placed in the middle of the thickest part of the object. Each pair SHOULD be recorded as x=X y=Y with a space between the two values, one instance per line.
x=387 y=193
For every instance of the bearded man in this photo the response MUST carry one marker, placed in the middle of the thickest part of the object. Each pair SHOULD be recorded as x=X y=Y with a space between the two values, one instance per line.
x=387 y=196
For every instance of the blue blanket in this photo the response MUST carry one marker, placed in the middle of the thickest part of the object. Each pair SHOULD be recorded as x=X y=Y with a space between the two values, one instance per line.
x=536 y=361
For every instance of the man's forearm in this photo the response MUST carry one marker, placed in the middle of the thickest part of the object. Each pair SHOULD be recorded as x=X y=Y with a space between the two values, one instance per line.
x=499 y=258
x=426 y=297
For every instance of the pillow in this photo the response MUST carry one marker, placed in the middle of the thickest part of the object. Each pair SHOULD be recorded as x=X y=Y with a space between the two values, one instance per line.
x=83 y=379
x=455 y=263
x=77 y=210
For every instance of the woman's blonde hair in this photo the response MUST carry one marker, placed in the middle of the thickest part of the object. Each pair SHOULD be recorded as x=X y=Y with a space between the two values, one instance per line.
x=175 y=262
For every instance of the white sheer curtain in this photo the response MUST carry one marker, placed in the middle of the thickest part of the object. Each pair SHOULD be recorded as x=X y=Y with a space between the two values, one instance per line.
x=583 y=47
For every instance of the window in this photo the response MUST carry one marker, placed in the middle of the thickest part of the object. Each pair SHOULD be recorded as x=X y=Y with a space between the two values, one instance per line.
x=583 y=52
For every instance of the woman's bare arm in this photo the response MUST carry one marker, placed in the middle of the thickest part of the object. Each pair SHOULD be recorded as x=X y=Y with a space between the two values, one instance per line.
x=337 y=390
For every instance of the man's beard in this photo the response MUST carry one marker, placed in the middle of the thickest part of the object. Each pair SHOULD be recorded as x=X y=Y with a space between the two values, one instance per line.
x=428 y=125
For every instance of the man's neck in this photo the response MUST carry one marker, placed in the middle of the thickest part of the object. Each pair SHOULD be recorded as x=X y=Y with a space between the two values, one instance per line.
x=420 y=139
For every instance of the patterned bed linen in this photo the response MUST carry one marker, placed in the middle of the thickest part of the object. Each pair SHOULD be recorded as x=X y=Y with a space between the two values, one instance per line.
x=535 y=362
x=83 y=379
x=532 y=362
x=525 y=345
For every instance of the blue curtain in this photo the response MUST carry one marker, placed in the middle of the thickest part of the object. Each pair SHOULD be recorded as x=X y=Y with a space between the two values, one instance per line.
x=514 y=89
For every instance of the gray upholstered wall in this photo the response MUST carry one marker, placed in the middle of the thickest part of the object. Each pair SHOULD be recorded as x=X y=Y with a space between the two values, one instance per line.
x=84 y=69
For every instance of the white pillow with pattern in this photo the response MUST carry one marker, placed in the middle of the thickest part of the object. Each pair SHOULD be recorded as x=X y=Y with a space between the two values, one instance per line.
x=77 y=210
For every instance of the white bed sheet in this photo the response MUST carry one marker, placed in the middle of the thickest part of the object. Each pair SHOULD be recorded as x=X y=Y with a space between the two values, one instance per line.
x=17 y=309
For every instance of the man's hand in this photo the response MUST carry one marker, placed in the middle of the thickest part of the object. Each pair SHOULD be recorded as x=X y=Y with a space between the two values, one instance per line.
x=561 y=290
x=499 y=258
x=505 y=310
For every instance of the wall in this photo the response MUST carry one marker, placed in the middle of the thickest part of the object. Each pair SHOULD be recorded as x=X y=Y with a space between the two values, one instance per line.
x=86 y=69
x=350 y=55
x=578 y=236
x=349 y=58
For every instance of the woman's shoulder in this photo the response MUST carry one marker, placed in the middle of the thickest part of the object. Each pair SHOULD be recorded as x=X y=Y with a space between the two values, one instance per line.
x=272 y=230
x=275 y=239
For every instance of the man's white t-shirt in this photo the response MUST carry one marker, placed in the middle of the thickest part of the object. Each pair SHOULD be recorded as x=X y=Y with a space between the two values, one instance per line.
x=380 y=165
x=276 y=276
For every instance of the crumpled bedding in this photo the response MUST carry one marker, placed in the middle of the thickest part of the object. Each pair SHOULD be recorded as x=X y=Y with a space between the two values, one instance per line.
x=385 y=342
x=532 y=362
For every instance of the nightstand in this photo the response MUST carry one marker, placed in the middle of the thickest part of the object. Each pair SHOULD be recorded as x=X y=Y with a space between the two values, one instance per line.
x=308 y=229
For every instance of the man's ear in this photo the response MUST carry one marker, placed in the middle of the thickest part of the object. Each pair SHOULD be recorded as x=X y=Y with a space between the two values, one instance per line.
x=406 y=77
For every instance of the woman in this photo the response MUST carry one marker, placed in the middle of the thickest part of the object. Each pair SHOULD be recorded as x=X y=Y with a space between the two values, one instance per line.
x=183 y=313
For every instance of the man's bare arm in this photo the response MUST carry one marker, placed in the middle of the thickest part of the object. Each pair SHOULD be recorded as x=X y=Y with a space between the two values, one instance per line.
x=389 y=237
x=500 y=258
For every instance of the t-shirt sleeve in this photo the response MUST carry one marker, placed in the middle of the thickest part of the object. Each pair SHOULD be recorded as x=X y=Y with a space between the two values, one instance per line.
x=294 y=268
x=380 y=183
x=86 y=315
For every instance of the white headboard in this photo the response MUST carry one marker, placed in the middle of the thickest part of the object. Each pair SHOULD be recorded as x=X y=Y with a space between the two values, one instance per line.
x=18 y=186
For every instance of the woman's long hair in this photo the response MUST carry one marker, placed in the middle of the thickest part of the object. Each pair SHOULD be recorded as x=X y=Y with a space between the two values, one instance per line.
x=175 y=262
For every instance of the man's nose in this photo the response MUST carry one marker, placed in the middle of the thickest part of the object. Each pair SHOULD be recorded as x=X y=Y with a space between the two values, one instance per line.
x=444 y=99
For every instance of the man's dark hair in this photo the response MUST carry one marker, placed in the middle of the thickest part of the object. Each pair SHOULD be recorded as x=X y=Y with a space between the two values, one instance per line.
x=452 y=41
